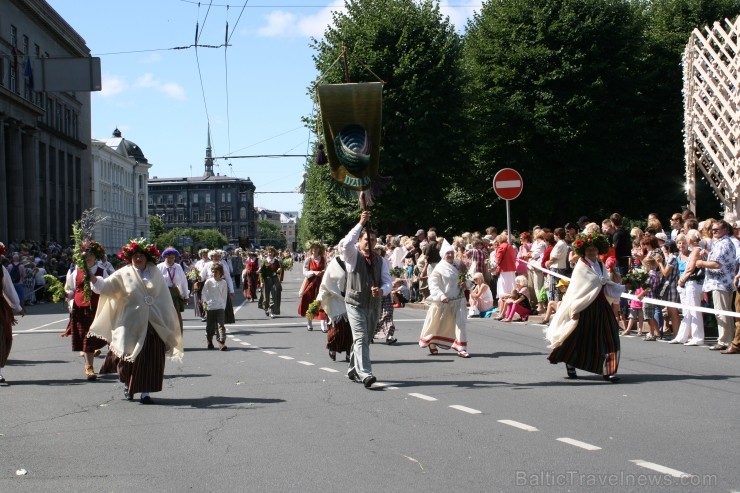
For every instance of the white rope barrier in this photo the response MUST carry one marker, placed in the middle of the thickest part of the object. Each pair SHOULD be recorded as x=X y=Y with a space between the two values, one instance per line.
x=651 y=301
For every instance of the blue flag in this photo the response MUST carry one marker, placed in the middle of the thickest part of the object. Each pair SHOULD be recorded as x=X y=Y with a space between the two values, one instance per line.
x=28 y=73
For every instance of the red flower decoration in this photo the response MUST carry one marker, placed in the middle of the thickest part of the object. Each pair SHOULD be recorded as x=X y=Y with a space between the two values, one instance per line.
x=578 y=243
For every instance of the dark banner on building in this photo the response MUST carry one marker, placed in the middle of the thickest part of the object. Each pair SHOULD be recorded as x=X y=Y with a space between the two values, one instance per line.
x=351 y=116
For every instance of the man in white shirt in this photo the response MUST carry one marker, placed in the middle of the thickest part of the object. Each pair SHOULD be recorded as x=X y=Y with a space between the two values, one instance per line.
x=176 y=281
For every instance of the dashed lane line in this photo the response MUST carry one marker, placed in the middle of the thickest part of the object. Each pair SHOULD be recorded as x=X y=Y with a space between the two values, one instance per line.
x=423 y=397
x=661 y=469
x=307 y=363
x=465 y=409
x=578 y=443
x=285 y=357
x=330 y=370
x=517 y=424
x=269 y=352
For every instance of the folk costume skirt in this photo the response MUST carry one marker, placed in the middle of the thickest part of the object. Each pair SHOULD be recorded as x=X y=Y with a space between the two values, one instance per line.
x=229 y=312
x=339 y=338
x=593 y=346
x=146 y=373
x=310 y=291
x=250 y=285
x=79 y=325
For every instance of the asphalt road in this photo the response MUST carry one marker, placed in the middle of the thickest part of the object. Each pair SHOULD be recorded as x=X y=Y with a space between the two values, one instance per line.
x=276 y=414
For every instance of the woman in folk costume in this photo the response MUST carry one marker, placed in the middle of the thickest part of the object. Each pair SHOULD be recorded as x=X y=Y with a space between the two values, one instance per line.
x=176 y=281
x=584 y=333
x=313 y=271
x=331 y=296
x=271 y=286
x=217 y=257
x=9 y=304
x=85 y=303
x=202 y=261
x=137 y=318
x=444 y=325
x=385 y=328
x=251 y=276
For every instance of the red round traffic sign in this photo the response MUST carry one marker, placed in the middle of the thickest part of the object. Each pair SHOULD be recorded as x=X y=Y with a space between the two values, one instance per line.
x=508 y=184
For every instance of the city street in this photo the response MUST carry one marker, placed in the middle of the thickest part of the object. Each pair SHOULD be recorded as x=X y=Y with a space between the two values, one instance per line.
x=274 y=413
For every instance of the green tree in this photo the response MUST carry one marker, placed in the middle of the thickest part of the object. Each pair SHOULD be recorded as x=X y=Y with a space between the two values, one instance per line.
x=552 y=94
x=415 y=51
x=156 y=227
x=198 y=238
x=270 y=234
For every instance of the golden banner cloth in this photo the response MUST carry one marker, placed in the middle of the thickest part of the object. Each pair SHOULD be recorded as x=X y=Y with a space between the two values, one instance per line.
x=352 y=117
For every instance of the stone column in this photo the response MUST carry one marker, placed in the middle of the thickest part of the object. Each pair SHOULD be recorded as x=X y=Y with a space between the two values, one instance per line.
x=14 y=166
x=29 y=142
x=3 y=186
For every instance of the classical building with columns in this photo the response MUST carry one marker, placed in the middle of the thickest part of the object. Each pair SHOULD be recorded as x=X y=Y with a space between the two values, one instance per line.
x=120 y=174
x=45 y=157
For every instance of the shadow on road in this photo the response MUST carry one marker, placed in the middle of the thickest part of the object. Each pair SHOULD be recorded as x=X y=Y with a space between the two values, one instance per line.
x=218 y=402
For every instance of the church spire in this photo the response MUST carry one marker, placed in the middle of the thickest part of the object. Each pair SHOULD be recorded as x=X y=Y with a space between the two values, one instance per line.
x=209 y=156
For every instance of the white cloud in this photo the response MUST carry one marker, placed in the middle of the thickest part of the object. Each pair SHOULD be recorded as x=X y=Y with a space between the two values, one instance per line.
x=112 y=85
x=281 y=23
x=170 y=89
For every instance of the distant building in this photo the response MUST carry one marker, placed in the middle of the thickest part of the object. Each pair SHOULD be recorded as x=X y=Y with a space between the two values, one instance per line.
x=45 y=155
x=120 y=175
x=210 y=201
x=289 y=228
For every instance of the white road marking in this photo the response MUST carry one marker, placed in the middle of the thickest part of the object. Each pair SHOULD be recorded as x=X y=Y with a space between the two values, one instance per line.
x=661 y=469
x=245 y=343
x=286 y=357
x=269 y=352
x=464 y=409
x=236 y=310
x=306 y=363
x=330 y=370
x=33 y=329
x=578 y=443
x=423 y=397
x=517 y=424
x=235 y=339
x=385 y=385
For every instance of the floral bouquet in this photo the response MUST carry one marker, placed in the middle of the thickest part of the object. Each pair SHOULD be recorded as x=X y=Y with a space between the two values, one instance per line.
x=287 y=263
x=267 y=270
x=193 y=274
x=637 y=278
x=55 y=288
x=313 y=309
x=396 y=272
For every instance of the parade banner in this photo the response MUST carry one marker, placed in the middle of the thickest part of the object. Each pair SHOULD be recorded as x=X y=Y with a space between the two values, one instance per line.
x=351 y=116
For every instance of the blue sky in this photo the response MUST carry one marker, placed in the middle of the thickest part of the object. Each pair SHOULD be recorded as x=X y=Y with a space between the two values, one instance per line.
x=253 y=93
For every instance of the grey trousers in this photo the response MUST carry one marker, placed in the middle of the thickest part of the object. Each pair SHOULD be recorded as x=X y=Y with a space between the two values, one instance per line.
x=362 y=321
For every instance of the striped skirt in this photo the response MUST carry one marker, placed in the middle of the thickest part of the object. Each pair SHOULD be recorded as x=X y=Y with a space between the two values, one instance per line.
x=79 y=324
x=385 y=327
x=146 y=373
x=594 y=344
x=339 y=338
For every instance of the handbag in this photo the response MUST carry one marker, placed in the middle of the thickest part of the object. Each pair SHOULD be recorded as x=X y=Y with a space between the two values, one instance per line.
x=696 y=275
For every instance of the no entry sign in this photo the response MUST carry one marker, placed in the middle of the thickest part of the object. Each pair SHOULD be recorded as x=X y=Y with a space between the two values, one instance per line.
x=508 y=184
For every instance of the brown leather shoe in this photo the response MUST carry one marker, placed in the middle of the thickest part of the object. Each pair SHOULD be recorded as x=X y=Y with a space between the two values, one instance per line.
x=731 y=350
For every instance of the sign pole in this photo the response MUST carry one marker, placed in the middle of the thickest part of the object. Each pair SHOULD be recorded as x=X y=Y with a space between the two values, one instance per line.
x=508 y=185
x=508 y=221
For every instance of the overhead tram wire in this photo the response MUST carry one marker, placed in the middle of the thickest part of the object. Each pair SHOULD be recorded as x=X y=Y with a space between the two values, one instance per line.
x=226 y=83
x=197 y=61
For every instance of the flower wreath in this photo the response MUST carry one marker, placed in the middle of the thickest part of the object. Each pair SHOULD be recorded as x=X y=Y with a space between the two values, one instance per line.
x=584 y=241
x=139 y=246
x=91 y=246
x=3 y=249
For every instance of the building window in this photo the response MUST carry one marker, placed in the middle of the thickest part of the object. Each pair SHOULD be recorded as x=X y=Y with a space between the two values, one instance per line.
x=169 y=218
x=243 y=232
x=180 y=217
x=196 y=216
x=242 y=196
x=225 y=215
x=243 y=213
x=169 y=200
x=208 y=198
x=208 y=216
x=195 y=198
x=160 y=200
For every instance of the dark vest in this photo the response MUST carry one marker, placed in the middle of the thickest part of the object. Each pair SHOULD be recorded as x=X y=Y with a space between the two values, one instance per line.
x=359 y=283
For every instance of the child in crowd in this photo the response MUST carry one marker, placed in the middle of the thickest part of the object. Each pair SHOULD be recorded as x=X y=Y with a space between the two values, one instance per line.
x=653 y=282
x=635 y=316
x=516 y=302
x=400 y=293
x=214 y=295
x=552 y=306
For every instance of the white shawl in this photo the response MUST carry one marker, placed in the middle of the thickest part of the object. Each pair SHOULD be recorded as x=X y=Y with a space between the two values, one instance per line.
x=585 y=285
x=123 y=316
x=331 y=290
